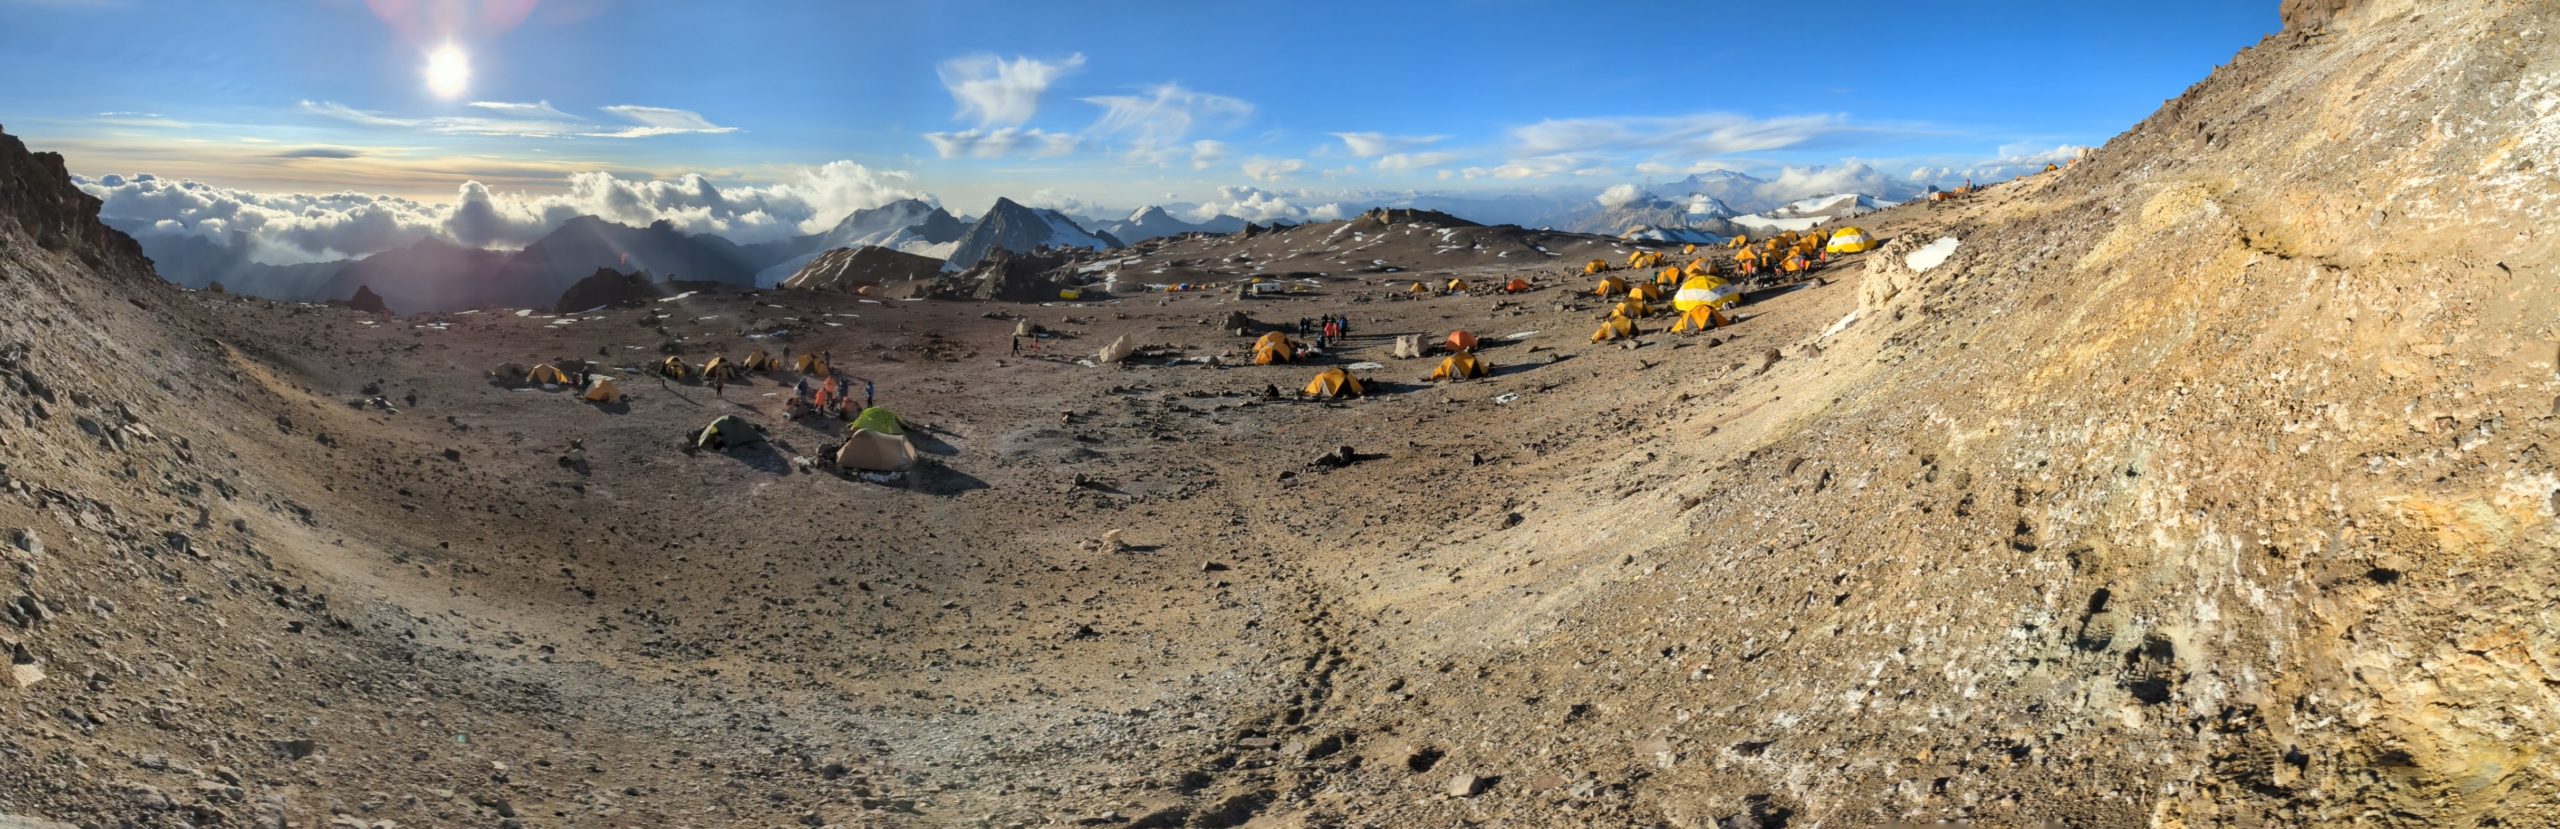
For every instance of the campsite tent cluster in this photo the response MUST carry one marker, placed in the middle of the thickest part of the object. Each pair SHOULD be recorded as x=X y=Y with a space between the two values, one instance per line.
x=876 y=439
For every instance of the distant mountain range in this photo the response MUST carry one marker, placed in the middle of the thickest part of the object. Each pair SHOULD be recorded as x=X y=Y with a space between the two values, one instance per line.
x=434 y=275
x=1154 y=223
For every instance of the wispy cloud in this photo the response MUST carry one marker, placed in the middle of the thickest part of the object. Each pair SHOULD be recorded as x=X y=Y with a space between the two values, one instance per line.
x=1369 y=144
x=1165 y=115
x=535 y=110
x=1206 y=154
x=998 y=92
x=1002 y=142
x=535 y=120
x=1701 y=134
x=657 y=121
x=1404 y=162
x=321 y=152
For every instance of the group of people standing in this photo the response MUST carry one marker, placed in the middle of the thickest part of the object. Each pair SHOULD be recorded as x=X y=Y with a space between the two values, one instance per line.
x=833 y=393
x=1326 y=330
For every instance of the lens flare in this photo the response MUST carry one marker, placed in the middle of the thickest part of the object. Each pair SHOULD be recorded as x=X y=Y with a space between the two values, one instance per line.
x=448 y=71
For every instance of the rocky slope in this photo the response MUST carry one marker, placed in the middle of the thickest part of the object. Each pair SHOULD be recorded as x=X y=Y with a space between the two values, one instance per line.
x=846 y=269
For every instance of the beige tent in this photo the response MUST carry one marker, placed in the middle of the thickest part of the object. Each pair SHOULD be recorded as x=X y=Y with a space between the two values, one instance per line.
x=604 y=391
x=869 y=451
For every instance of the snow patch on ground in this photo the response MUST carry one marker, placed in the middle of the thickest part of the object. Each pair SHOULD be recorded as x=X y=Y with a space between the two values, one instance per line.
x=1932 y=255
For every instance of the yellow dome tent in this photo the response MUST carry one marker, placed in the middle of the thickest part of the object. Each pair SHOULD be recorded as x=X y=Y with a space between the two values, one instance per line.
x=1646 y=292
x=761 y=360
x=604 y=391
x=1632 y=309
x=1610 y=286
x=547 y=375
x=1666 y=278
x=1461 y=366
x=1795 y=264
x=1274 y=348
x=1417 y=289
x=1738 y=242
x=1457 y=286
x=809 y=364
x=1333 y=382
x=1850 y=240
x=719 y=367
x=673 y=368
x=1698 y=267
x=1595 y=266
x=1616 y=328
x=1688 y=250
x=1704 y=292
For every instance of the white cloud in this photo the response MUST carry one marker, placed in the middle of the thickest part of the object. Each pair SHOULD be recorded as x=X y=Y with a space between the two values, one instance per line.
x=1257 y=205
x=534 y=120
x=1206 y=154
x=1064 y=203
x=1264 y=169
x=1620 y=195
x=537 y=109
x=1401 y=162
x=998 y=92
x=295 y=227
x=1165 y=115
x=1538 y=167
x=1368 y=144
x=1711 y=133
x=1851 y=176
x=1001 y=142
x=657 y=121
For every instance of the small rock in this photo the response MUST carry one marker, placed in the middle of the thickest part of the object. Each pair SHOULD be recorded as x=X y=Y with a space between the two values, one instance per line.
x=24 y=676
x=297 y=749
x=28 y=542
x=1465 y=785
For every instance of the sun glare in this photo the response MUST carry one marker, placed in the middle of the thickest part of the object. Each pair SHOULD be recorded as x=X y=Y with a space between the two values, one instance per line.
x=448 y=71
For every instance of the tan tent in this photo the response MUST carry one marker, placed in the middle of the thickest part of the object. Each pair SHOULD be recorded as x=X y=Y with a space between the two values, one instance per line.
x=869 y=451
x=1461 y=366
x=1700 y=318
x=1333 y=382
x=604 y=391
x=547 y=375
x=1274 y=347
x=1617 y=328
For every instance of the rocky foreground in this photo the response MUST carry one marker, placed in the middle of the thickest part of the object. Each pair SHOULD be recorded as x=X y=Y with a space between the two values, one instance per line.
x=2206 y=482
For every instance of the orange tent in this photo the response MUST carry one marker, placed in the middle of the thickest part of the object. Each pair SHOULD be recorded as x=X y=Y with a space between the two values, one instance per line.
x=1462 y=341
x=1517 y=286
x=1274 y=348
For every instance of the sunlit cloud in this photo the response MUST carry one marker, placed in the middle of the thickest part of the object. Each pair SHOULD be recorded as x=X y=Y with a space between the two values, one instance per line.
x=995 y=92
x=1165 y=115
x=1264 y=169
x=1368 y=144
x=535 y=120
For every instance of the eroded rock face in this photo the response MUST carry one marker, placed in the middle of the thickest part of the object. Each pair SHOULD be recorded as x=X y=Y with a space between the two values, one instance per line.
x=2302 y=14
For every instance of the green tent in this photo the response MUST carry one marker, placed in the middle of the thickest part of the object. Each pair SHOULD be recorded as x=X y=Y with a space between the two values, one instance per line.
x=726 y=432
x=877 y=419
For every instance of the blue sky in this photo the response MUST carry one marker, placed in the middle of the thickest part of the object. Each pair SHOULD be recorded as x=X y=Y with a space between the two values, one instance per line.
x=1101 y=104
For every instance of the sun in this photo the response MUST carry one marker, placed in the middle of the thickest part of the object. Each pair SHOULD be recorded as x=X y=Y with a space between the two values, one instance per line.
x=448 y=71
